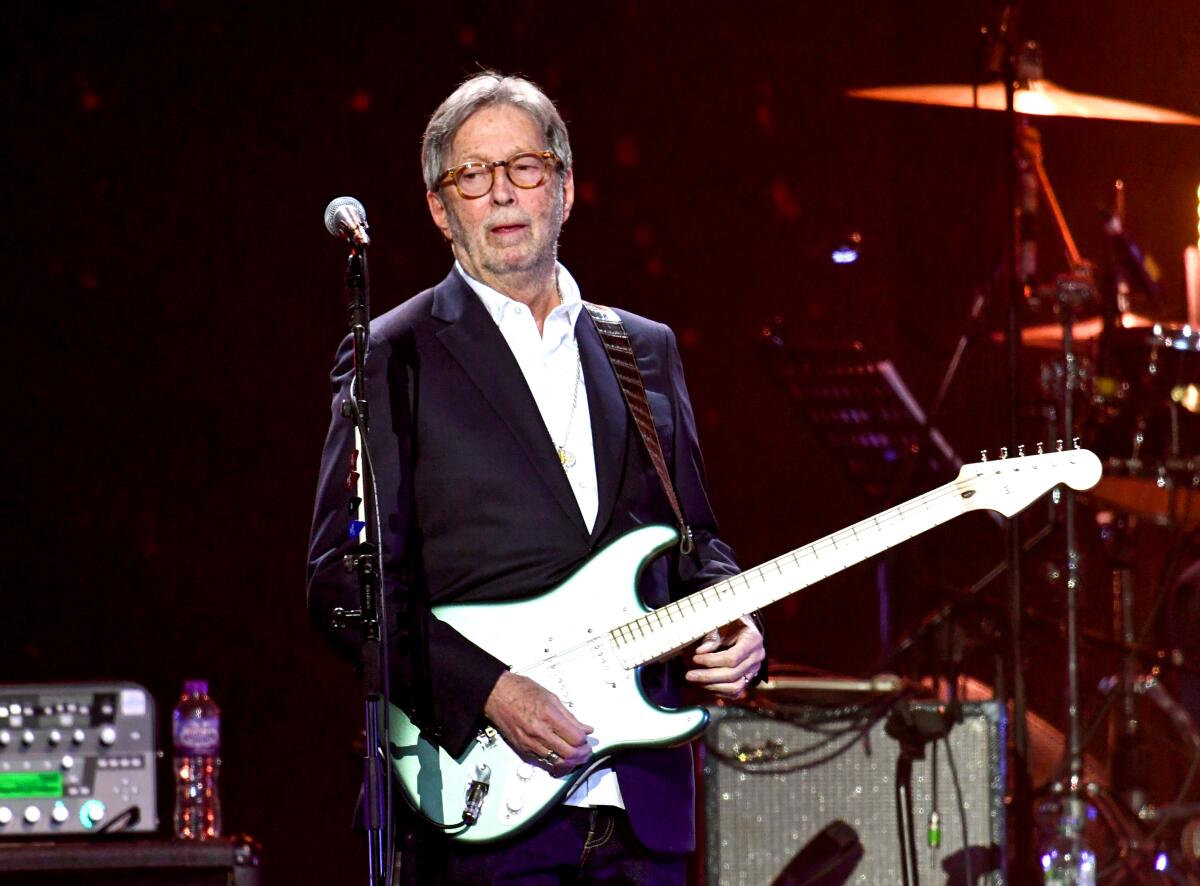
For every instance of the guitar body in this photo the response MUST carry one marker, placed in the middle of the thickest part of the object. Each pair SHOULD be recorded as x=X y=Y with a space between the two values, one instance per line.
x=562 y=640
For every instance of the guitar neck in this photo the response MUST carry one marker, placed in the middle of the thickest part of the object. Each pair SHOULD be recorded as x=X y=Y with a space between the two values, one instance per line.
x=664 y=631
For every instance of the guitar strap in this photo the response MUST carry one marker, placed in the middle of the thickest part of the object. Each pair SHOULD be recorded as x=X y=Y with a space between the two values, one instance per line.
x=624 y=363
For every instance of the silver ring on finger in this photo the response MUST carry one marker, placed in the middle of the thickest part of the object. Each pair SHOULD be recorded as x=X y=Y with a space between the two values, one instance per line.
x=551 y=758
x=746 y=678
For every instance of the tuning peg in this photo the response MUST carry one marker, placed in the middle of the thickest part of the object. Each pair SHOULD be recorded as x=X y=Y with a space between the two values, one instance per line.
x=1058 y=443
x=1040 y=449
x=1003 y=452
x=1020 y=450
x=983 y=455
x=1075 y=440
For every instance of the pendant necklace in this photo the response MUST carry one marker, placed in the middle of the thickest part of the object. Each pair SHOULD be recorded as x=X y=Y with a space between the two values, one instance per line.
x=565 y=457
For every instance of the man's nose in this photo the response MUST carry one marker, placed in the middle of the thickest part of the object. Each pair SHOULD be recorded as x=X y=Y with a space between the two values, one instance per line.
x=503 y=190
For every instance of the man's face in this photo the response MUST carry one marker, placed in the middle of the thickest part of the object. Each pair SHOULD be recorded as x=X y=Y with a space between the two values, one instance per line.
x=509 y=235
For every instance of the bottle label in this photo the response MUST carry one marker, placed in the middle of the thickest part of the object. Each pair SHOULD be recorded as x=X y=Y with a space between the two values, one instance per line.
x=201 y=736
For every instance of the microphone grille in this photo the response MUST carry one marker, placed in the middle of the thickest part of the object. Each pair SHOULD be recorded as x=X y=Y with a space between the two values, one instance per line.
x=332 y=209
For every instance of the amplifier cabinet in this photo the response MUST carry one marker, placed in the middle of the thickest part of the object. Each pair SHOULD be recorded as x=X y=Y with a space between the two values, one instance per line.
x=232 y=861
x=772 y=783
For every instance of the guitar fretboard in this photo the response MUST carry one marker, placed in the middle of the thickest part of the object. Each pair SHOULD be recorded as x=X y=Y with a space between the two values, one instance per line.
x=670 y=628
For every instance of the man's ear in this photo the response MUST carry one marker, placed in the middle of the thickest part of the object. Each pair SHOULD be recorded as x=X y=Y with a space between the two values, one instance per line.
x=437 y=209
x=568 y=187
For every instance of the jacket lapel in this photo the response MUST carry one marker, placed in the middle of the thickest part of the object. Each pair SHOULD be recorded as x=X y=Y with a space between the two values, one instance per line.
x=476 y=344
x=606 y=404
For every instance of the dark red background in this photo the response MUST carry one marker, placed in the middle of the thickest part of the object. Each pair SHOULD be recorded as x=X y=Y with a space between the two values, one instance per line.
x=174 y=302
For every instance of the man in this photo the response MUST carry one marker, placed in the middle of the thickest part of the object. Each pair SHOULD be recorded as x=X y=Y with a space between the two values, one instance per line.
x=505 y=457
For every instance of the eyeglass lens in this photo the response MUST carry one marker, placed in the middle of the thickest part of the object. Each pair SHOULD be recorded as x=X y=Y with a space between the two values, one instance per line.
x=524 y=171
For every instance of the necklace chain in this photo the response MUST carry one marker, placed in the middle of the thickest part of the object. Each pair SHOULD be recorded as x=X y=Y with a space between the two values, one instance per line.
x=566 y=458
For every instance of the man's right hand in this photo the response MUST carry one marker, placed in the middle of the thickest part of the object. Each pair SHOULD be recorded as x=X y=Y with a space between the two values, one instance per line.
x=535 y=722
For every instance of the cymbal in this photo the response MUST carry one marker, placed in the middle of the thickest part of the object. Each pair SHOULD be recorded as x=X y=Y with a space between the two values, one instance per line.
x=1038 y=98
x=1049 y=335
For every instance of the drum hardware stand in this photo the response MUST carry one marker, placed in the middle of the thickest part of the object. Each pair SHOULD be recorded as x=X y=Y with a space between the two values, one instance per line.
x=1071 y=291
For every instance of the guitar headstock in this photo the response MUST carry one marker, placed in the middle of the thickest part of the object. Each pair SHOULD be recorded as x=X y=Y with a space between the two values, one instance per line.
x=1009 y=485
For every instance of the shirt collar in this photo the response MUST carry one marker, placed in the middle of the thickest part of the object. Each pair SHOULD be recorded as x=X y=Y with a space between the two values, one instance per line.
x=497 y=303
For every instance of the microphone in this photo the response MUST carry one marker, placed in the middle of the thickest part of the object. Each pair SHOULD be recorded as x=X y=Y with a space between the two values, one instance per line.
x=346 y=219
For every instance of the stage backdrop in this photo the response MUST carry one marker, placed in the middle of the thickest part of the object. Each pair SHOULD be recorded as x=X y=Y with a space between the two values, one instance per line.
x=174 y=302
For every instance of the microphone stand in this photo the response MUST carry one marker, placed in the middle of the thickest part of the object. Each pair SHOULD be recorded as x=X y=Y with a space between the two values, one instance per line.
x=366 y=563
x=913 y=728
x=1007 y=50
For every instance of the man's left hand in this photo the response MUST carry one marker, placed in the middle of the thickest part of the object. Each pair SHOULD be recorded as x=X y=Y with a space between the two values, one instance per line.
x=727 y=659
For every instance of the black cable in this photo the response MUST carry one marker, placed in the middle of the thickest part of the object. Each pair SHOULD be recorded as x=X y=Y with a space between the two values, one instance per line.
x=933 y=794
x=862 y=725
x=127 y=818
x=962 y=810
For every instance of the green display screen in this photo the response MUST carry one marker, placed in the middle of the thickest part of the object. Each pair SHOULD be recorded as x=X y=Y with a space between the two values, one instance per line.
x=30 y=784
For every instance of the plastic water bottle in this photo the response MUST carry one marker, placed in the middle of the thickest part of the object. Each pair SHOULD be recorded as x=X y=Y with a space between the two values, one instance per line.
x=1066 y=859
x=196 y=730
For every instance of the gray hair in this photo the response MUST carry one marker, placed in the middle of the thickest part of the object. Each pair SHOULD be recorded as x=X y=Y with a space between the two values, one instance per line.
x=480 y=91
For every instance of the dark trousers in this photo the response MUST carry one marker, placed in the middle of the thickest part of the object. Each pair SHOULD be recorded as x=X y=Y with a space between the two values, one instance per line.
x=570 y=846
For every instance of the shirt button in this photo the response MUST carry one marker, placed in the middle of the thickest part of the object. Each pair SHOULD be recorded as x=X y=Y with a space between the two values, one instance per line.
x=518 y=309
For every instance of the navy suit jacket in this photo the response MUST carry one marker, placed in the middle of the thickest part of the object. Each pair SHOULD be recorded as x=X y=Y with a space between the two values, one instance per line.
x=475 y=506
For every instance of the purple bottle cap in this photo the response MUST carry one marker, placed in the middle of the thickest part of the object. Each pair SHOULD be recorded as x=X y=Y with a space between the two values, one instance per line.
x=195 y=687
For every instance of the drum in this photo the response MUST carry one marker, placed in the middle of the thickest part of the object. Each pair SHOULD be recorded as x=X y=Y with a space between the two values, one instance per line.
x=1145 y=417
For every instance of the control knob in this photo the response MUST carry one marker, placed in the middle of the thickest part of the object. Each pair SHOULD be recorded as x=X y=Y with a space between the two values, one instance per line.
x=32 y=814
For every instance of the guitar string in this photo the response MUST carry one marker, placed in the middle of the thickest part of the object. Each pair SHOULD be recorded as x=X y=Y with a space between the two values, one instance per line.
x=651 y=622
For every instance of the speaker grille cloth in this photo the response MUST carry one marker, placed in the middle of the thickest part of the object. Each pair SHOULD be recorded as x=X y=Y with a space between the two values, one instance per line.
x=758 y=817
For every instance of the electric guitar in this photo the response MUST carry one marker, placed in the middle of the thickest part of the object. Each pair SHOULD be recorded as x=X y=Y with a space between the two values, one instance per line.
x=587 y=639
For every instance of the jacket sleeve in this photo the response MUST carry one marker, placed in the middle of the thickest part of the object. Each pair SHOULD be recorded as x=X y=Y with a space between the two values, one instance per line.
x=460 y=674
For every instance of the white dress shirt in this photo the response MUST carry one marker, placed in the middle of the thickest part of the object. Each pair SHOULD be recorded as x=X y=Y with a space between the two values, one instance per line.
x=550 y=364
